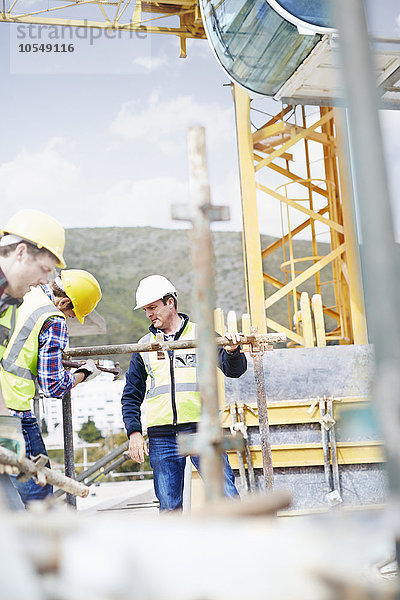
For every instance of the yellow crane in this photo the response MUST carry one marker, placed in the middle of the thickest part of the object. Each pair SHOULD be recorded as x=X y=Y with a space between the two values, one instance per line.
x=303 y=74
x=299 y=74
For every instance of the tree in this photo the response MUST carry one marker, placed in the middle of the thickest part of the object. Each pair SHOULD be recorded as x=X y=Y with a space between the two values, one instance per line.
x=89 y=432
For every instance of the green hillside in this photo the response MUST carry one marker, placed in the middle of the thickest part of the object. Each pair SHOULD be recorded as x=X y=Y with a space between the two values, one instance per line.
x=120 y=257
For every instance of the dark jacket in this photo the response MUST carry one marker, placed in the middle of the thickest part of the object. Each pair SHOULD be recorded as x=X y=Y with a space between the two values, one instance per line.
x=232 y=365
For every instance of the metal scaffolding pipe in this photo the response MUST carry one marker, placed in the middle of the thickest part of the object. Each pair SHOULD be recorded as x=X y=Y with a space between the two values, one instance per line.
x=267 y=338
x=50 y=476
x=98 y=464
x=117 y=463
x=103 y=461
x=380 y=262
x=209 y=432
x=259 y=380
x=68 y=433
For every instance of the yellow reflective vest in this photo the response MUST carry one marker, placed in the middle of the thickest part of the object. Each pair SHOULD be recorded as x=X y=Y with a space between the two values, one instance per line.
x=172 y=395
x=20 y=355
x=7 y=325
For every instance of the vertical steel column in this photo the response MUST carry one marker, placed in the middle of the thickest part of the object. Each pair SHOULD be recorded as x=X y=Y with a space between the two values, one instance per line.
x=251 y=231
x=204 y=301
x=357 y=305
x=380 y=264
x=68 y=443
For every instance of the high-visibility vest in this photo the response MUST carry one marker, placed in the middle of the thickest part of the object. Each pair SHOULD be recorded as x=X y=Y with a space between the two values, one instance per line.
x=7 y=325
x=19 y=362
x=172 y=395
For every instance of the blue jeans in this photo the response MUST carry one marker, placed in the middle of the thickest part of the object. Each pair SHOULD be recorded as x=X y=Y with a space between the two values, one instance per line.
x=168 y=472
x=34 y=446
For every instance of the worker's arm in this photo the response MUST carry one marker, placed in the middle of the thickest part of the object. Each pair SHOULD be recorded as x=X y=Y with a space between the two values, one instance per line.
x=137 y=447
x=54 y=380
x=132 y=398
x=133 y=394
x=231 y=361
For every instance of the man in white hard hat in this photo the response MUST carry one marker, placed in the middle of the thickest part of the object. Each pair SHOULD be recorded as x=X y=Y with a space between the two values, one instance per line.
x=31 y=245
x=34 y=351
x=172 y=396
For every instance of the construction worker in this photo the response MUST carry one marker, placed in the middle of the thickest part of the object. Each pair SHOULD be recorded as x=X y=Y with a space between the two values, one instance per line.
x=34 y=350
x=173 y=402
x=31 y=245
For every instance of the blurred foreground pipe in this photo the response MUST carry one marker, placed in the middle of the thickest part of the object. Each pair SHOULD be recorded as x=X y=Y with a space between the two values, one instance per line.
x=378 y=252
x=209 y=431
x=58 y=479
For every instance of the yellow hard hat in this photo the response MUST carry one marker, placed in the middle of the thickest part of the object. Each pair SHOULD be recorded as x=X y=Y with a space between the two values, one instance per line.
x=83 y=290
x=39 y=228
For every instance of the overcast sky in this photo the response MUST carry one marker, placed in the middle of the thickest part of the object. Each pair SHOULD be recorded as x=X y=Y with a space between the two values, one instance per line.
x=97 y=137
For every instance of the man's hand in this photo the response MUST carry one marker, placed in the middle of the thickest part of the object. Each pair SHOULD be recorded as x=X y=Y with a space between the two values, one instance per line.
x=89 y=370
x=11 y=438
x=235 y=341
x=137 y=447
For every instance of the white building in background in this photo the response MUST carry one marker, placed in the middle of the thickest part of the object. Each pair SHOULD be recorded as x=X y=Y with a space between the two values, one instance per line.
x=98 y=400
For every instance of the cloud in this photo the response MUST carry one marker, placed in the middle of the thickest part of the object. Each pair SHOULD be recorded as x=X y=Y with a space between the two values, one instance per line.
x=148 y=202
x=139 y=203
x=150 y=63
x=43 y=179
x=199 y=49
x=165 y=122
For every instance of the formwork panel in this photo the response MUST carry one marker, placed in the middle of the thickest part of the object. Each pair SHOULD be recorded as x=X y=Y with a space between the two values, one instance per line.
x=296 y=380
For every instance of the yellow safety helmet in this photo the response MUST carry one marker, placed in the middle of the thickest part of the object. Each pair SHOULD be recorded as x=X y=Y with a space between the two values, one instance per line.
x=83 y=290
x=39 y=228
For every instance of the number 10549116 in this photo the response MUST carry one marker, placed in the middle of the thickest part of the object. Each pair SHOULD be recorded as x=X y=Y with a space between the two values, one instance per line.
x=64 y=48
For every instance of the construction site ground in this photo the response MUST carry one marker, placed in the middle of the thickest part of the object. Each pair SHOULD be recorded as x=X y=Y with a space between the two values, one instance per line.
x=133 y=496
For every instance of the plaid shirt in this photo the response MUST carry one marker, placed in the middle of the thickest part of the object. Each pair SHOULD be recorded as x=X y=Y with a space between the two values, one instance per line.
x=54 y=380
x=5 y=299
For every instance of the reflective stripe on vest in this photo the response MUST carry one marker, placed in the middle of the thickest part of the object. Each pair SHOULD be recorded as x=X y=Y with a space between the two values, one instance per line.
x=7 y=326
x=159 y=396
x=19 y=362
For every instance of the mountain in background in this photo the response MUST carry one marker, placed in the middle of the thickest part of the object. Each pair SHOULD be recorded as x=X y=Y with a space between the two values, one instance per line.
x=120 y=257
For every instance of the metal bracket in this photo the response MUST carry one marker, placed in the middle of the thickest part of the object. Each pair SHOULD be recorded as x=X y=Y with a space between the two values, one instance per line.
x=40 y=461
x=239 y=427
x=258 y=347
x=327 y=421
x=160 y=341
x=192 y=444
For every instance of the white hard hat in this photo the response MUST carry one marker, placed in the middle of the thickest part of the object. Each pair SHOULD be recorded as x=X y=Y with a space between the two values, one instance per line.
x=153 y=288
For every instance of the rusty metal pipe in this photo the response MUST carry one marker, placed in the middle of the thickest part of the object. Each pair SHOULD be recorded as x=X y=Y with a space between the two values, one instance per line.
x=117 y=463
x=263 y=422
x=69 y=463
x=98 y=464
x=271 y=338
x=247 y=451
x=75 y=364
x=71 y=486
